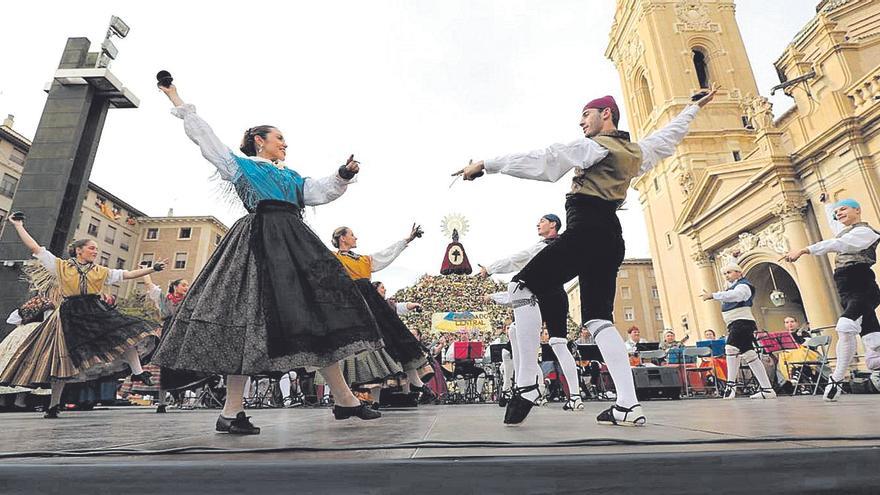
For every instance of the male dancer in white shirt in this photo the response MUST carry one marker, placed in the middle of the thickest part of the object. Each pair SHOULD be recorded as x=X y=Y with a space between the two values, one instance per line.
x=736 y=310
x=548 y=229
x=591 y=248
x=855 y=243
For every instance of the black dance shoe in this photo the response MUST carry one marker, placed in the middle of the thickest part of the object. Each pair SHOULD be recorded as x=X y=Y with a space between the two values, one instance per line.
x=426 y=395
x=362 y=411
x=52 y=412
x=518 y=407
x=622 y=416
x=144 y=377
x=160 y=408
x=240 y=425
x=503 y=398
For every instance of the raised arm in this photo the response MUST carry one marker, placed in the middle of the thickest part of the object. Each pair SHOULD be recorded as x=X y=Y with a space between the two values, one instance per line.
x=836 y=226
x=130 y=274
x=326 y=189
x=516 y=261
x=661 y=143
x=853 y=241
x=385 y=257
x=201 y=133
x=739 y=293
x=25 y=237
x=548 y=164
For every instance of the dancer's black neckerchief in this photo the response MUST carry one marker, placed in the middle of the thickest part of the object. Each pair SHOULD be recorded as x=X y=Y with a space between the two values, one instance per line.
x=350 y=254
x=83 y=271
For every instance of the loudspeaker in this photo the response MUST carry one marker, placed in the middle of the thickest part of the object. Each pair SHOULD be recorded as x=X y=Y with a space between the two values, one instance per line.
x=657 y=383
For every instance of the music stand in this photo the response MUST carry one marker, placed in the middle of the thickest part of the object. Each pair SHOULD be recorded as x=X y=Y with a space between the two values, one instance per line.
x=464 y=356
x=647 y=346
x=464 y=351
x=547 y=353
x=590 y=352
x=778 y=341
x=716 y=345
x=495 y=351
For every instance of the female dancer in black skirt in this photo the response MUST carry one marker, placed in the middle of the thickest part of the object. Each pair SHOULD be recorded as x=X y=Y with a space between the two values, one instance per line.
x=86 y=338
x=272 y=298
x=400 y=344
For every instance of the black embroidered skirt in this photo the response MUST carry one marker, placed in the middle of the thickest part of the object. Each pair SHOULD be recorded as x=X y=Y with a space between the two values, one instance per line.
x=87 y=344
x=271 y=298
x=400 y=343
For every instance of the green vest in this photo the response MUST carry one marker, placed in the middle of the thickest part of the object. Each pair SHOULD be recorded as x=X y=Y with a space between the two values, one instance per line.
x=610 y=178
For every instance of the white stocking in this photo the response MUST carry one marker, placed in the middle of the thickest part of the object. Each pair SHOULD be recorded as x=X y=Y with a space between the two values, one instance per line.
x=731 y=354
x=566 y=362
x=528 y=336
x=613 y=350
x=130 y=356
x=750 y=357
x=507 y=367
x=234 y=395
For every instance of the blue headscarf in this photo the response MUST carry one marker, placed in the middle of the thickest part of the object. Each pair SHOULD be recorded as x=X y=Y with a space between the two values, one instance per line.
x=847 y=202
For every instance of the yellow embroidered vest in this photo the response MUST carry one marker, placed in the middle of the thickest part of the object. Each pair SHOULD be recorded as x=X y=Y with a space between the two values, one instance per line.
x=356 y=266
x=72 y=284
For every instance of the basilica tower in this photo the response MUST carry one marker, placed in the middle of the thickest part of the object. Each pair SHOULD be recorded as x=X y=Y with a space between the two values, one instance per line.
x=734 y=185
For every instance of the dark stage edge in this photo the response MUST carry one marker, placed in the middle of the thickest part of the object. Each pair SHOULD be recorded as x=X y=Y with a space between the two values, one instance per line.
x=792 y=445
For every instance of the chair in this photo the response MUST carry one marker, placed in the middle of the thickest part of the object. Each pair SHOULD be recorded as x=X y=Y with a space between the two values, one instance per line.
x=698 y=352
x=819 y=345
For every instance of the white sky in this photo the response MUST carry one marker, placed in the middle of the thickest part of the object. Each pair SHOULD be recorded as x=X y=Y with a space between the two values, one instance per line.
x=412 y=88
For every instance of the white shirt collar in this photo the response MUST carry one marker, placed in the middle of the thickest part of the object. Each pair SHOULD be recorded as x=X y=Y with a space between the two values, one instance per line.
x=260 y=159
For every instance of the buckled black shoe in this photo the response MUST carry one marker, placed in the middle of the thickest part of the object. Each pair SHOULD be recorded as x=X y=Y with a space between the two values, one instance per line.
x=832 y=391
x=503 y=398
x=239 y=425
x=518 y=407
x=144 y=377
x=426 y=395
x=622 y=416
x=52 y=412
x=160 y=408
x=362 y=411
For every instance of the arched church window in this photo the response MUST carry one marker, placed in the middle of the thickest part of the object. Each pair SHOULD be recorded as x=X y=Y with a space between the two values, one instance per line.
x=701 y=65
x=643 y=95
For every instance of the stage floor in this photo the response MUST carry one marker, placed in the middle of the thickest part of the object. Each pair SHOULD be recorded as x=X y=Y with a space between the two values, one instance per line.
x=784 y=437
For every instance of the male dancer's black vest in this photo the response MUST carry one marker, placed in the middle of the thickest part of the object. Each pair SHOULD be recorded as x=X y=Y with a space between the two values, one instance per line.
x=865 y=256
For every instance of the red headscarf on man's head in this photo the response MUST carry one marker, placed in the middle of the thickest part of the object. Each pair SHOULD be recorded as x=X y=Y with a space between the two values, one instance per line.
x=606 y=101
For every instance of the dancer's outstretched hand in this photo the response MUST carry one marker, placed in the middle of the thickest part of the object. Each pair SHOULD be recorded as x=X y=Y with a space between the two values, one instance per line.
x=352 y=165
x=171 y=93
x=705 y=295
x=415 y=232
x=472 y=171
x=794 y=254
x=702 y=102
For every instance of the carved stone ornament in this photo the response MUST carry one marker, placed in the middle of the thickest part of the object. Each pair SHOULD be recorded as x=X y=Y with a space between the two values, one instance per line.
x=702 y=259
x=694 y=16
x=632 y=52
x=687 y=182
x=770 y=238
x=787 y=210
x=759 y=111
